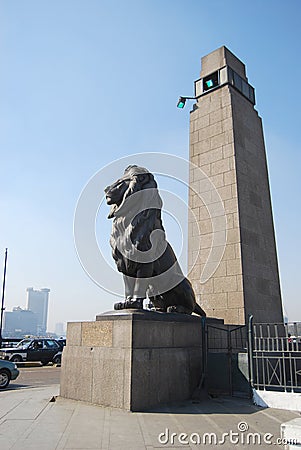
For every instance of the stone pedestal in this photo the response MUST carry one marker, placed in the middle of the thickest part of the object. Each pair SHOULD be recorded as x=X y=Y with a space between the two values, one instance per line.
x=134 y=360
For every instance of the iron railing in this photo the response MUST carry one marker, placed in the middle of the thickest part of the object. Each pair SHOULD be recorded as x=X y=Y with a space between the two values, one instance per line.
x=275 y=356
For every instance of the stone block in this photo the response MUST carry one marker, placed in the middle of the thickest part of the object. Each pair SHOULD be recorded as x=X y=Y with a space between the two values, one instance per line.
x=229 y=250
x=231 y=205
x=217 y=180
x=219 y=140
x=234 y=267
x=210 y=131
x=233 y=236
x=218 y=301
x=195 y=213
x=145 y=359
x=206 y=169
x=220 y=166
x=216 y=253
x=76 y=373
x=226 y=110
x=201 y=147
x=122 y=334
x=213 y=209
x=202 y=122
x=195 y=229
x=111 y=377
x=202 y=255
x=219 y=313
x=228 y=150
x=96 y=334
x=230 y=316
x=219 y=223
x=205 y=107
x=230 y=221
x=206 y=197
x=194 y=137
x=205 y=226
x=234 y=190
x=74 y=333
x=227 y=124
x=221 y=270
x=235 y=300
x=199 y=174
x=206 y=240
x=225 y=284
x=207 y=288
x=187 y=337
x=195 y=272
x=194 y=160
x=241 y=315
x=239 y=281
x=230 y=177
x=216 y=116
x=212 y=156
x=225 y=192
x=150 y=334
x=226 y=100
x=215 y=101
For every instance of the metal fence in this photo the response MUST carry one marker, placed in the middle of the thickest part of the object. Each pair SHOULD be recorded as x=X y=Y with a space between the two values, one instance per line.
x=275 y=356
x=226 y=359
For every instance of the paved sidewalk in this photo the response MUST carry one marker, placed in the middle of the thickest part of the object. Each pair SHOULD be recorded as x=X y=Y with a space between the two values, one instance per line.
x=29 y=420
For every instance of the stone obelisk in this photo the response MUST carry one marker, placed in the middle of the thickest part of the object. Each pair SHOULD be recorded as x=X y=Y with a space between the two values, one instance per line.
x=227 y=144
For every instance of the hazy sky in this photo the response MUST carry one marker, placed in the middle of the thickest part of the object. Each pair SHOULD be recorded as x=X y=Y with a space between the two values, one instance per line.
x=85 y=82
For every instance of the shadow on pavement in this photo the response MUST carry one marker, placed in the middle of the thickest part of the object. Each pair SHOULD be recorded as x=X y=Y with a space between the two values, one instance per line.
x=219 y=405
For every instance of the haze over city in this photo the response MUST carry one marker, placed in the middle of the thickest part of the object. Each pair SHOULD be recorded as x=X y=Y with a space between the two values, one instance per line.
x=86 y=83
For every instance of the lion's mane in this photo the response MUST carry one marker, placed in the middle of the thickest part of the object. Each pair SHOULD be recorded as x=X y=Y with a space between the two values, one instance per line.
x=133 y=220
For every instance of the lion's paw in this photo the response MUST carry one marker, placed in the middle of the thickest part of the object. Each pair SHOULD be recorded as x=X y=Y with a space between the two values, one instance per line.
x=178 y=309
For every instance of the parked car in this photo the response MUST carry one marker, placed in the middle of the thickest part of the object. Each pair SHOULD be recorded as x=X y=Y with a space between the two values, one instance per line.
x=32 y=350
x=57 y=359
x=8 y=371
x=61 y=342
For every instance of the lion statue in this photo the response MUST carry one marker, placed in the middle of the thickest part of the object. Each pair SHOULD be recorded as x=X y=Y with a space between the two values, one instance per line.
x=140 y=249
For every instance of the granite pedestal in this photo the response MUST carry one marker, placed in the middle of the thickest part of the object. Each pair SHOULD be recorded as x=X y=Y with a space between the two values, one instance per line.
x=132 y=359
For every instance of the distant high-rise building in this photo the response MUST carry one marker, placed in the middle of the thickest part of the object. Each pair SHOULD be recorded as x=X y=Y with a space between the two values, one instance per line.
x=37 y=301
x=59 y=329
x=19 y=322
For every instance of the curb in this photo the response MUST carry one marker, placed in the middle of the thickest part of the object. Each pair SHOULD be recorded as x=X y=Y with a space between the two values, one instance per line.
x=29 y=364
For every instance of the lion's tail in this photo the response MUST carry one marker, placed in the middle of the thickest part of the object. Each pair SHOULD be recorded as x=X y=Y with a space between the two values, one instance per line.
x=198 y=310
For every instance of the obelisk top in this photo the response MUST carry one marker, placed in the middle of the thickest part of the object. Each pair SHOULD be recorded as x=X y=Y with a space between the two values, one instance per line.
x=219 y=58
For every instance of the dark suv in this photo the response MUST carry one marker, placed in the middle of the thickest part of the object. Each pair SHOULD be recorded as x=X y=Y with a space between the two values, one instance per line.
x=32 y=350
x=57 y=359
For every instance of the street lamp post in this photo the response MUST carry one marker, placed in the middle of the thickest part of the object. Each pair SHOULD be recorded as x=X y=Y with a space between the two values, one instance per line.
x=3 y=294
x=182 y=101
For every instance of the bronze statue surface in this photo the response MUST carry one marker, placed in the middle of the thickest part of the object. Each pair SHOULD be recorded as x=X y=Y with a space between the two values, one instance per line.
x=140 y=249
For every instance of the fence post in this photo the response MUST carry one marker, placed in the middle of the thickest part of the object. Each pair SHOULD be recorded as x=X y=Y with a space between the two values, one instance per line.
x=251 y=350
x=205 y=348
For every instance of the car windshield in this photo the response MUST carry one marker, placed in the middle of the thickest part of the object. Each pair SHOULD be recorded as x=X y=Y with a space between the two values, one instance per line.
x=24 y=343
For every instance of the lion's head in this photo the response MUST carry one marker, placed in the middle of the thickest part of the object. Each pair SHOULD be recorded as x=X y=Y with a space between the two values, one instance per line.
x=134 y=179
x=135 y=207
